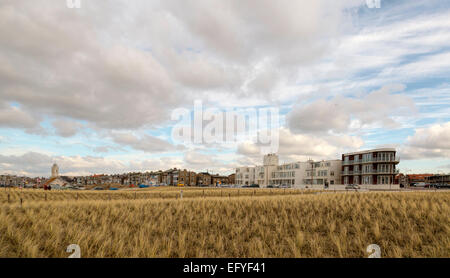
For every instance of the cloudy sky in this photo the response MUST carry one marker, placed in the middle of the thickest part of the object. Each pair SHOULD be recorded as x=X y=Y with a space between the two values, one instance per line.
x=94 y=88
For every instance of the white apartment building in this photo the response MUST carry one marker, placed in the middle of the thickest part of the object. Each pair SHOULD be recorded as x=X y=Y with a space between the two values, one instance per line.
x=245 y=175
x=325 y=172
x=296 y=174
x=258 y=174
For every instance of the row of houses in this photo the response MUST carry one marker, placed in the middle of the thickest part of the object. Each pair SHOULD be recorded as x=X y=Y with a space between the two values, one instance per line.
x=175 y=177
x=16 y=181
x=371 y=167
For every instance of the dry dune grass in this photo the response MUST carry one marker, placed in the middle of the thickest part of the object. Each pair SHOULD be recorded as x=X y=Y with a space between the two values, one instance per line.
x=14 y=195
x=297 y=225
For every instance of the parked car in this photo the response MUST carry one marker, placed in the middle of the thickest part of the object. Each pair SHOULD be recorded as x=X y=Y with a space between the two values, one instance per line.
x=113 y=188
x=285 y=186
x=442 y=185
x=352 y=186
x=251 y=185
x=98 y=188
x=419 y=184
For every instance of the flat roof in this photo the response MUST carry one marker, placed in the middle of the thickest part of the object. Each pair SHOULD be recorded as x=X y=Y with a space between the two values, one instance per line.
x=371 y=151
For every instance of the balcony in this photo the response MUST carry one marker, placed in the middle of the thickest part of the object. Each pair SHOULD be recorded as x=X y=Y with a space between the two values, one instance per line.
x=380 y=172
x=349 y=173
x=371 y=160
x=370 y=172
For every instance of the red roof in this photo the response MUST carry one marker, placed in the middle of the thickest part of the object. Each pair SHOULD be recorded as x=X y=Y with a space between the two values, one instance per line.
x=419 y=176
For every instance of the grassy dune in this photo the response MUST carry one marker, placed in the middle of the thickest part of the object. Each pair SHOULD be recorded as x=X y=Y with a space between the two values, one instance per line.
x=265 y=225
x=139 y=194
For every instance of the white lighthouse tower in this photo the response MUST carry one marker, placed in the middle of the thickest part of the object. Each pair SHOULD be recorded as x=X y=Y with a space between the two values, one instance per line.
x=55 y=171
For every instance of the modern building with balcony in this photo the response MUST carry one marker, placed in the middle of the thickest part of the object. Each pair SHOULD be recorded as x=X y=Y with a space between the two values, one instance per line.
x=377 y=166
x=308 y=174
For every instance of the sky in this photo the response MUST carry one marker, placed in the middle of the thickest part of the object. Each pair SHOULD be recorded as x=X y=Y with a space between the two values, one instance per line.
x=95 y=88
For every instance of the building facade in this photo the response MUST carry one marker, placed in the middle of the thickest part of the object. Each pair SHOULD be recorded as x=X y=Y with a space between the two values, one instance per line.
x=204 y=179
x=417 y=178
x=192 y=179
x=245 y=175
x=296 y=174
x=217 y=180
x=438 y=179
x=325 y=172
x=232 y=179
x=377 y=166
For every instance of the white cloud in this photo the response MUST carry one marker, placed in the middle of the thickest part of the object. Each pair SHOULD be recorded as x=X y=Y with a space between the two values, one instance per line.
x=66 y=128
x=196 y=158
x=146 y=143
x=11 y=116
x=341 y=114
x=295 y=147
x=61 y=66
x=213 y=162
x=113 y=65
x=428 y=142
x=434 y=137
x=289 y=32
